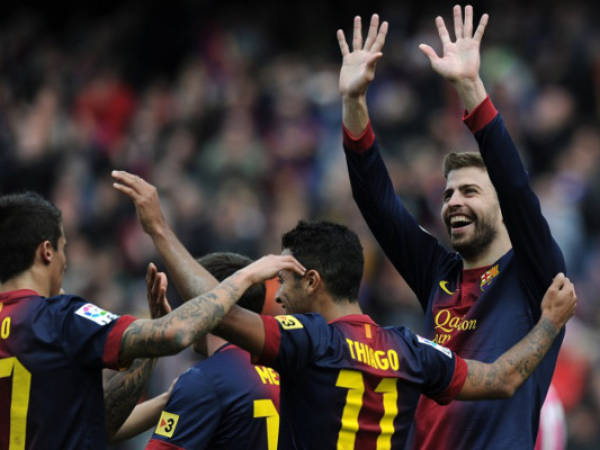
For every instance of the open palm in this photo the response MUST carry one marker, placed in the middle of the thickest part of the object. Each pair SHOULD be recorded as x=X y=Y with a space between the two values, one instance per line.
x=461 y=58
x=358 y=67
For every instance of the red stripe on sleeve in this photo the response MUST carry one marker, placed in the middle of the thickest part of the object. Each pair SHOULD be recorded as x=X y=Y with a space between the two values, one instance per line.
x=456 y=384
x=157 y=444
x=361 y=143
x=113 y=342
x=272 y=340
x=480 y=116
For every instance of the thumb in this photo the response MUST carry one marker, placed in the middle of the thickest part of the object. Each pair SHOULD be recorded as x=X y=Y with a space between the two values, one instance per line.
x=372 y=59
x=429 y=52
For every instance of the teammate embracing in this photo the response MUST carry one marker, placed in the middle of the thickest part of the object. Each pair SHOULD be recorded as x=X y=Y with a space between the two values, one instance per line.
x=484 y=296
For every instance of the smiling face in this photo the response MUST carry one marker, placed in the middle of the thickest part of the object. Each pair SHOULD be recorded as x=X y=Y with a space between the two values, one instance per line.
x=471 y=211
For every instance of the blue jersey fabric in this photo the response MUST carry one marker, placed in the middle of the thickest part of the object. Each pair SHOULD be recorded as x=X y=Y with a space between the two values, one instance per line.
x=52 y=351
x=509 y=302
x=352 y=384
x=224 y=402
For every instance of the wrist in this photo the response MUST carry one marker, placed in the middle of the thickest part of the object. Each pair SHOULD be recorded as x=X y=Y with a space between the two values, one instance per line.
x=471 y=91
x=550 y=324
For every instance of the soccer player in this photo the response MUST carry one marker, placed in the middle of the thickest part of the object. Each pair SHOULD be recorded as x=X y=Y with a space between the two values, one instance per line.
x=223 y=402
x=53 y=347
x=346 y=382
x=484 y=296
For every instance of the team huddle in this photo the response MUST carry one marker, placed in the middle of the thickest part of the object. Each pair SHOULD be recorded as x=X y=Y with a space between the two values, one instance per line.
x=324 y=375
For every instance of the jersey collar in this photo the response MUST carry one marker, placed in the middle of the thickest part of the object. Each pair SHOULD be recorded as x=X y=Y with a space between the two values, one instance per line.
x=13 y=295
x=363 y=318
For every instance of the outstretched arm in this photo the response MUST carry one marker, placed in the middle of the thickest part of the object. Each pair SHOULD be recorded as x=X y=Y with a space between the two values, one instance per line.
x=358 y=70
x=122 y=390
x=503 y=377
x=198 y=316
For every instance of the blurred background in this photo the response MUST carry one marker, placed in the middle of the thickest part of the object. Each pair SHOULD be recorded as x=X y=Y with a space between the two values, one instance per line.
x=232 y=110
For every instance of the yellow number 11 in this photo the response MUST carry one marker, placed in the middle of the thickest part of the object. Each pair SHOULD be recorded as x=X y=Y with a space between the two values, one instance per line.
x=21 y=382
x=353 y=381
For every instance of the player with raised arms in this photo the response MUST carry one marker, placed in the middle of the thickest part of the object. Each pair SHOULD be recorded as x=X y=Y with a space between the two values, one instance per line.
x=53 y=347
x=346 y=382
x=483 y=297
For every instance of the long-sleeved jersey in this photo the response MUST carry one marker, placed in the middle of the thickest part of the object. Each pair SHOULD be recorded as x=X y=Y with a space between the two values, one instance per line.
x=477 y=313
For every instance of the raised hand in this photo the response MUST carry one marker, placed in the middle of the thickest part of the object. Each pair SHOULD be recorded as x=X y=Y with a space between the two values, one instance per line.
x=156 y=291
x=268 y=266
x=460 y=59
x=559 y=301
x=358 y=67
x=145 y=198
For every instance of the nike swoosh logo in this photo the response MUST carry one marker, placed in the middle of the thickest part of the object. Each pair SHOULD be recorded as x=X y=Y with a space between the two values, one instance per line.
x=443 y=284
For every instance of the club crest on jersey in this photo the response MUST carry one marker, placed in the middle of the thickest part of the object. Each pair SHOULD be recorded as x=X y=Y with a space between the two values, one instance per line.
x=96 y=314
x=438 y=347
x=167 y=424
x=289 y=322
x=488 y=276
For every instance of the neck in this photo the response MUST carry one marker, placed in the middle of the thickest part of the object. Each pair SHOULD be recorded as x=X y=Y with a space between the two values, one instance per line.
x=334 y=309
x=30 y=279
x=213 y=343
x=497 y=248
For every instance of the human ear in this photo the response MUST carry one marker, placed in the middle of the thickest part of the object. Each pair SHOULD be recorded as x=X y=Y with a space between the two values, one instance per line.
x=312 y=279
x=46 y=251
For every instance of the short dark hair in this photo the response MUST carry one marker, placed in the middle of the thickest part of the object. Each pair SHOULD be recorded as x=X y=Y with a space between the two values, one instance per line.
x=26 y=220
x=222 y=264
x=332 y=250
x=454 y=161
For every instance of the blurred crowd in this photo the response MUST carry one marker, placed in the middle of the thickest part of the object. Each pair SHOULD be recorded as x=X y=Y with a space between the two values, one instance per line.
x=234 y=115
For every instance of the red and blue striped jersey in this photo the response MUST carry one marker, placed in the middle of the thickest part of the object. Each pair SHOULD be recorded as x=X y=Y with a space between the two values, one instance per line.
x=479 y=313
x=224 y=402
x=352 y=384
x=52 y=351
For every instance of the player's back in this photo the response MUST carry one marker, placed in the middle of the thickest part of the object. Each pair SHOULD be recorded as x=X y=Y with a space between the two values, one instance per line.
x=224 y=402
x=352 y=384
x=51 y=356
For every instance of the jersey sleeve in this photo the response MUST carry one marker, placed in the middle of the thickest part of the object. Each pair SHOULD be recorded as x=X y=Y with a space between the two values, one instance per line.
x=191 y=416
x=412 y=250
x=536 y=253
x=86 y=333
x=293 y=341
x=439 y=372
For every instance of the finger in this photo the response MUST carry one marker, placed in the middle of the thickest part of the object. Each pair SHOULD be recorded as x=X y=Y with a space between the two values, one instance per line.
x=458 y=23
x=343 y=44
x=357 y=36
x=481 y=28
x=442 y=31
x=156 y=288
x=380 y=40
x=126 y=190
x=372 y=34
x=558 y=281
x=125 y=178
x=150 y=271
x=429 y=52
x=468 y=28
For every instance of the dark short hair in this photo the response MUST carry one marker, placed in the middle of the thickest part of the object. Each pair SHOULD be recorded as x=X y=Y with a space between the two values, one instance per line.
x=332 y=250
x=454 y=161
x=222 y=264
x=26 y=220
